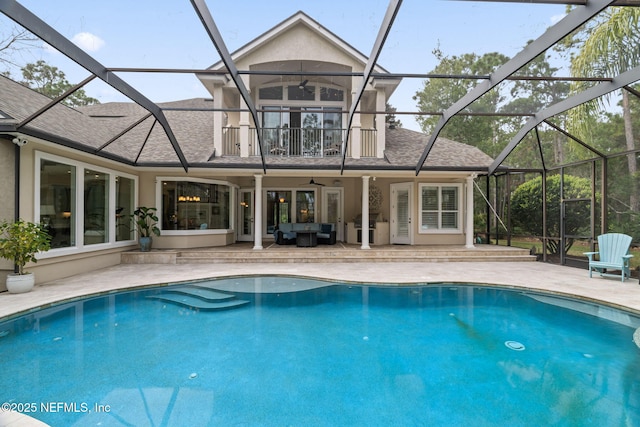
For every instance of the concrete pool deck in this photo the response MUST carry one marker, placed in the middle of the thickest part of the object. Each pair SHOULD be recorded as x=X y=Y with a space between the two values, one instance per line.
x=520 y=275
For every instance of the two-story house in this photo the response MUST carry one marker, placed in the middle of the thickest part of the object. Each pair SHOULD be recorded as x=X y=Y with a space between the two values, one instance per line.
x=85 y=170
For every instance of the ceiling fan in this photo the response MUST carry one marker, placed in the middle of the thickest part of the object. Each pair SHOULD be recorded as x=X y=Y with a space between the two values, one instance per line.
x=303 y=86
x=303 y=82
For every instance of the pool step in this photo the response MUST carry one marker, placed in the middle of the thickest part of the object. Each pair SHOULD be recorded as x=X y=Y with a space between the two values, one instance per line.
x=199 y=298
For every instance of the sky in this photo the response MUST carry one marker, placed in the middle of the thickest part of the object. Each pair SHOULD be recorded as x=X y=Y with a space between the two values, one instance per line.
x=168 y=34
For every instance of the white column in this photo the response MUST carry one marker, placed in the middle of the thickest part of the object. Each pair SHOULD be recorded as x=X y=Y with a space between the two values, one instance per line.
x=218 y=120
x=381 y=126
x=469 y=213
x=365 y=213
x=355 y=138
x=257 y=223
x=244 y=124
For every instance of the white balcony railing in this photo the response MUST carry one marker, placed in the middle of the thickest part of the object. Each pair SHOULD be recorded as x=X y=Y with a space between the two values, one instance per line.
x=298 y=142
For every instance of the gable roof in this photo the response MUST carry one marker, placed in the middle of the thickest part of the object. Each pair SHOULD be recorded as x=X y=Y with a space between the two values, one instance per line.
x=298 y=18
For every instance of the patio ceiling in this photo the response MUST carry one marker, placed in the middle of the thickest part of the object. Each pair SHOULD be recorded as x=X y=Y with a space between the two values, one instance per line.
x=152 y=113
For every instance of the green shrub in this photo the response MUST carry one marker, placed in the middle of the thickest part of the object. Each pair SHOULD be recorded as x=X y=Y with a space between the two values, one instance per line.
x=20 y=241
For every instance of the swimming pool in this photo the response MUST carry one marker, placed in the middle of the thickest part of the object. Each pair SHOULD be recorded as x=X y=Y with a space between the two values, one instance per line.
x=302 y=352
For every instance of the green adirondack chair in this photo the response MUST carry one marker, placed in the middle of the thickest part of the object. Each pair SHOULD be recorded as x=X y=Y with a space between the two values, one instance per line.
x=613 y=254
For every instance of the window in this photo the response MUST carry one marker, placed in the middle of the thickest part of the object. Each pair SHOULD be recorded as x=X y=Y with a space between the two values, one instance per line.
x=58 y=202
x=81 y=205
x=278 y=209
x=440 y=208
x=273 y=92
x=305 y=93
x=96 y=203
x=195 y=205
x=283 y=206
x=330 y=94
x=305 y=206
x=125 y=205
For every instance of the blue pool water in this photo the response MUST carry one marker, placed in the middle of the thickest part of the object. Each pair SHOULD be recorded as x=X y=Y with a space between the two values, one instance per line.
x=343 y=355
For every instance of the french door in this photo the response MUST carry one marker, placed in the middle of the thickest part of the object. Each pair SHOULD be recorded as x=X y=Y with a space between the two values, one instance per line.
x=401 y=209
x=332 y=211
x=245 y=216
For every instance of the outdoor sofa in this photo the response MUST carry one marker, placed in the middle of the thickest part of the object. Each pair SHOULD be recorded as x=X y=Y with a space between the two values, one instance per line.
x=285 y=233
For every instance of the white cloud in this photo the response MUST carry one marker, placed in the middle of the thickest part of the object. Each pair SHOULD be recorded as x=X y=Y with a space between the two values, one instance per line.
x=48 y=48
x=88 y=42
x=556 y=18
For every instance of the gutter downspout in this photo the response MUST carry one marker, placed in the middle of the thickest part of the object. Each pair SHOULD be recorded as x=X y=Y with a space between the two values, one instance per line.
x=16 y=190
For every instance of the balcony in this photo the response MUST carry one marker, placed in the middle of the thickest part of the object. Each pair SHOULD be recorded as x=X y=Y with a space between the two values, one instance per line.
x=298 y=142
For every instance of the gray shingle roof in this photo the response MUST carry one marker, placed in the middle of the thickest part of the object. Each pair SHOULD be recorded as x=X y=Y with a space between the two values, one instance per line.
x=92 y=127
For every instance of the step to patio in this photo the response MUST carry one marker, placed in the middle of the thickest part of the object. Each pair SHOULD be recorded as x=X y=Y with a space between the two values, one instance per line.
x=199 y=298
x=347 y=255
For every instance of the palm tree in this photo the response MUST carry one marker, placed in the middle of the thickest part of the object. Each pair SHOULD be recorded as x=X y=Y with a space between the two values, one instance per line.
x=611 y=48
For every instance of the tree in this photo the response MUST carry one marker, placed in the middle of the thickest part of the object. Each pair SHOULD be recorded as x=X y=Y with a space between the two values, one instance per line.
x=610 y=48
x=13 y=42
x=530 y=96
x=526 y=208
x=50 y=81
x=439 y=94
x=390 y=117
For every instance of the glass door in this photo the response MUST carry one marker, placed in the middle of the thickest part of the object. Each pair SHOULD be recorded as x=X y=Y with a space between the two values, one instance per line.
x=332 y=130
x=311 y=132
x=245 y=216
x=332 y=201
x=401 y=231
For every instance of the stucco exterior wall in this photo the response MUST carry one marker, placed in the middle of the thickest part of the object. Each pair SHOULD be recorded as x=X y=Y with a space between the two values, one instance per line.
x=7 y=190
x=7 y=179
x=299 y=43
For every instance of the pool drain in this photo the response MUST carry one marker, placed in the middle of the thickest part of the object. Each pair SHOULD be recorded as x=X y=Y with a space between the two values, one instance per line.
x=514 y=345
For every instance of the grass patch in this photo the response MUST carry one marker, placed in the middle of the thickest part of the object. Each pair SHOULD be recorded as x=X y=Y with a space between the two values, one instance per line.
x=576 y=250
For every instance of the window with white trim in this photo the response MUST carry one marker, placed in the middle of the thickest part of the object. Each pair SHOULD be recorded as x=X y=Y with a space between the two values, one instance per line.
x=440 y=208
x=195 y=204
x=82 y=205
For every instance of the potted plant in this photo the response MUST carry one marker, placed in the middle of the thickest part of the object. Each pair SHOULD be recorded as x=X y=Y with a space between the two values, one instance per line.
x=20 y=241
x=145 y=220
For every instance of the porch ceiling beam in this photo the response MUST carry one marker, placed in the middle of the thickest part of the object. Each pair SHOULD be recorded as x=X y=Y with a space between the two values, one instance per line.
x=210 y=26
x=41 y=29
x=557 y=32
x=56 y=101
x=385 y=27
x=601 y=89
